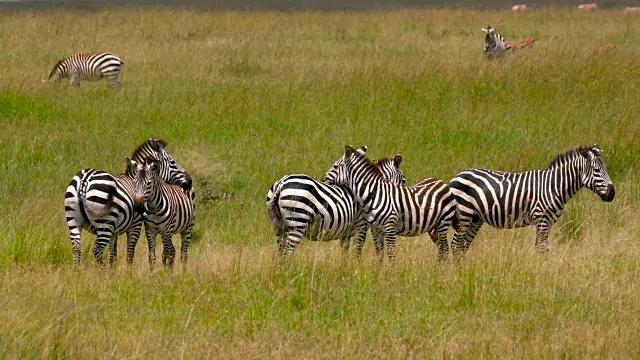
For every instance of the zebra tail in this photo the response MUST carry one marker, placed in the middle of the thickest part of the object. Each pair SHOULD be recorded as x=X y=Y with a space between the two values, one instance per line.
x=274 y=210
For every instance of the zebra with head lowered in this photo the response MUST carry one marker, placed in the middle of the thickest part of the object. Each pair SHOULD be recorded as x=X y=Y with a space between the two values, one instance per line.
x=509 y=200
x=107 y=204
x=299 y=206
x=494 y=44
x=393 y=209
x=169 y=209
x=93 y=66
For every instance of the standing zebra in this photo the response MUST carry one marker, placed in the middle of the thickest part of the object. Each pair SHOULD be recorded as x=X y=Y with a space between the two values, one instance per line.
x=508 y=200
x=299 y=206
x=494 y=44
x=427 y=206
x=93 y=66
x=106 y=204
x=169 y=209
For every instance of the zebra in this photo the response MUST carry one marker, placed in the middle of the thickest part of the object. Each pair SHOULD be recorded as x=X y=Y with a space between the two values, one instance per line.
x=169 y=209
x=494 y=44
x=300 y=206
x=393 y=209
x=509 y=200
x=106 y=204
x=92 y=66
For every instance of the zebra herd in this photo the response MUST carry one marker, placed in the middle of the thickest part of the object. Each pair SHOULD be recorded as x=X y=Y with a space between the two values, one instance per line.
x=357 y=192
x=154 y=190
x=354 y=195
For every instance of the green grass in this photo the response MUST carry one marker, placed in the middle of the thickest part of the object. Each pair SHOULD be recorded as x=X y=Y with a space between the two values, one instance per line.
x=247 y=97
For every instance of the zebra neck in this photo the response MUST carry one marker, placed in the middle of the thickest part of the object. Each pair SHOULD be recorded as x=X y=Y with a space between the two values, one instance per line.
x=156 y=200
x=564 y=182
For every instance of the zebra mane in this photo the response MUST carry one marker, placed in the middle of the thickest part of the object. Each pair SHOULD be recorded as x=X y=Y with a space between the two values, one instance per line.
x=569 y=155
x=372 y=164
x=139 y=151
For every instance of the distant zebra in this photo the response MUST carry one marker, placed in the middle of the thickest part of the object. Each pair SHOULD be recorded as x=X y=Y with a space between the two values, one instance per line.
x=299 y=206
x=427 y=206
x=169 y=209
x=106 y=204
x=509 y=200
x=93 y=66
x=494 y=44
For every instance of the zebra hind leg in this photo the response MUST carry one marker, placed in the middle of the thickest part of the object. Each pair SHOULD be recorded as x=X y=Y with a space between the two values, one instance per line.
x=439 y=237
x=103 y=238
x=390 y=235
x=184 y=247
x=464 y=236
x=378 y=240
x=113 y=250
x=75 y=231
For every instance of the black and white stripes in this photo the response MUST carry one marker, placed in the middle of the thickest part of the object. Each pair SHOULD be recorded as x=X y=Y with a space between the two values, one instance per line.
x=169 y=209
x=395 y=209
x=494 y=44
x=509 y=200
x=110 y=205
x=300 y=206
x=92 y=66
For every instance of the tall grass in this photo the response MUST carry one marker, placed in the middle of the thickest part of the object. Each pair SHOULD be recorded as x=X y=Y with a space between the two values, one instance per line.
x=247 y=97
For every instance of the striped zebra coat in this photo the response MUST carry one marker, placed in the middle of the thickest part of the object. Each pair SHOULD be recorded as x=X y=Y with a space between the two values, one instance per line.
x=494 y=44
x=169 y=209
x=106 y=204
x=299 y=206
x=426 y=207
x=509 y=200
x=92 y=66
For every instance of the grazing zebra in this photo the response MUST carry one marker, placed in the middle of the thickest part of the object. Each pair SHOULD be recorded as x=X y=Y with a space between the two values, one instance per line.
x=106 y=204
x=427 y=206
x=169 y=209
x=494 y=44
x=508 y=200
x=93 y=66
x=299 y=206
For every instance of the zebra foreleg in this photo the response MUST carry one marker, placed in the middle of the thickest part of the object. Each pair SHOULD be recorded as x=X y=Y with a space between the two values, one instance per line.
x=74 y=79
x=151 y=241
x=378 y=241
x=390 y=235
x=168 y=251
x=542 y=235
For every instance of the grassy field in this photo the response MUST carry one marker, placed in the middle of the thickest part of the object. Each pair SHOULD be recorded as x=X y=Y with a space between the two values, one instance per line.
x=247 y=97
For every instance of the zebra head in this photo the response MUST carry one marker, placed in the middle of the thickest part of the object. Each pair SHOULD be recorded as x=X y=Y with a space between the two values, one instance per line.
x=489 y=38
x=152 y=180
x=60 y=70
x=390 y=167
x=596 y=177
x=170 y=171
x=139 y=182
x=336 y=172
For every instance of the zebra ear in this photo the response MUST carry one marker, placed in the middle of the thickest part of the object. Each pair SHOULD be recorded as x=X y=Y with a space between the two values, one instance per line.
x=131 y=164
x=596 y=149
x=156 y=145
x=397 y=161
x=362 y=150
x=348 y=150
x=586 y=152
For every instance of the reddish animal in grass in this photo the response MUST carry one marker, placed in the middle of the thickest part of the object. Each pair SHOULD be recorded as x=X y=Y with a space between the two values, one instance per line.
x=528 y=41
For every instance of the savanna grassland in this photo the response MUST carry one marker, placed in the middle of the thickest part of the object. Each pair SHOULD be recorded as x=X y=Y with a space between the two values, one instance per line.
x=247 y=97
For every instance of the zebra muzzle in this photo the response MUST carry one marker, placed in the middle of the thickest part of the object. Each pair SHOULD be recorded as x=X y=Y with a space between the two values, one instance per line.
x=609 y=195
